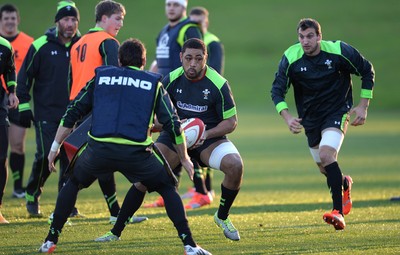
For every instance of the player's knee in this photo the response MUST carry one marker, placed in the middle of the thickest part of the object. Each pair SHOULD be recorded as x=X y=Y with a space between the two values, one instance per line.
x=17 y=147
x=232 y=165
x=327 y=155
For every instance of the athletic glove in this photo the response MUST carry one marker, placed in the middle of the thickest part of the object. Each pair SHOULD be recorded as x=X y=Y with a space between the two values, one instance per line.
x=26 y=118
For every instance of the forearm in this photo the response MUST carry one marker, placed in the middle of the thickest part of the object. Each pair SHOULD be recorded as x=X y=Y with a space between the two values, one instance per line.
x=185 y=159
x=181 y=150
x=286 y=115
x=223 y=128
x=62 y=133
x=364 y=102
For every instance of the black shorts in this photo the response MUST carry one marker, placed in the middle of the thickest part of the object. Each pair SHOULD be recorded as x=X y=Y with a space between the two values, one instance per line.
x=13 y=116
x=143 y=166
x=165 y=139
x=339 y=120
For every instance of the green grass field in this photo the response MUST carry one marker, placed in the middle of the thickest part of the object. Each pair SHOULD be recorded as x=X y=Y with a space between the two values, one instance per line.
x=278 y=211
x=283 y=196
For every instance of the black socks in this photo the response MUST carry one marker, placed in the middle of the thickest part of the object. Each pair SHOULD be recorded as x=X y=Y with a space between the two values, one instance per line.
x=334 y=180
x=227 y=198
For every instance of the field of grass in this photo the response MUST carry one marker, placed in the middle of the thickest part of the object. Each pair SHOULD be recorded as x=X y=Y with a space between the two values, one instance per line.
x=283 y=196
x=278 y=211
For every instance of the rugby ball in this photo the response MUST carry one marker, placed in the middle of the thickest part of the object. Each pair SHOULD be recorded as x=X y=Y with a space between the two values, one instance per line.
x=194 y=129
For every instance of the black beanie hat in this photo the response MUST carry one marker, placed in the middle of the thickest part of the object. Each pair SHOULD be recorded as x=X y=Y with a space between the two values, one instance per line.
x=66 y=8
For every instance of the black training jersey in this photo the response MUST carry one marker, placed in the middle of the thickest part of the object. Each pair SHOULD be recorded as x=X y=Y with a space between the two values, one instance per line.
x=45 y=70
x=7 y=71
x=209 y=98
x=322 y=84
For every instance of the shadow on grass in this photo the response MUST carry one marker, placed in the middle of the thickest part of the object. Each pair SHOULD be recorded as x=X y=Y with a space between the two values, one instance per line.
x=293 y=207
x=210 y=210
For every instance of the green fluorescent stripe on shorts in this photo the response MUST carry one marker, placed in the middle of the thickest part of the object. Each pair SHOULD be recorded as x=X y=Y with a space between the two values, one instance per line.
x=343 y=122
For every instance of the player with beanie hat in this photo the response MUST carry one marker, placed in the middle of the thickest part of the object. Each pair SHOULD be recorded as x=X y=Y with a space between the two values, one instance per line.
x=66 y=8
x=181 y=2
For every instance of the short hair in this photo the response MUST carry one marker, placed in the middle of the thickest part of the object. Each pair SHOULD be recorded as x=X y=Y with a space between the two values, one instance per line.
x=132 y=52
x=309 y=23
x=194 y=43
x=108 y=8
x=8 y=8
x=199 y=10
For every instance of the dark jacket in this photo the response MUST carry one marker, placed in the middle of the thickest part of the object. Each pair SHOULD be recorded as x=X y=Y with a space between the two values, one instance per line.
x=45 y=69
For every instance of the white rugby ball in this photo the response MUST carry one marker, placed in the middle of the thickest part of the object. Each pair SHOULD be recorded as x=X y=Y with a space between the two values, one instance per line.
x=194 y=129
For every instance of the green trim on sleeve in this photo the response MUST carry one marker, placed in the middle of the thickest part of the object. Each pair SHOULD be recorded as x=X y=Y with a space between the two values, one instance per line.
x=11 y=83
x=180 y=138
x=24 y=107
x=229 y=113
x=281 y=106
x=366 y=93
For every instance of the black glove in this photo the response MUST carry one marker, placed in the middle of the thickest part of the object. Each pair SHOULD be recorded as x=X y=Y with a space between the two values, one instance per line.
x=25 y=118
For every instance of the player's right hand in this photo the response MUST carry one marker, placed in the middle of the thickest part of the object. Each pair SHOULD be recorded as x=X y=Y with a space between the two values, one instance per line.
x=188 y=165
x=52 y=157
x=294 y=125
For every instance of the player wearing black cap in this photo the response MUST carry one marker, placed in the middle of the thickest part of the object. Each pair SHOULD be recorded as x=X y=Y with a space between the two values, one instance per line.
x=46 y=69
